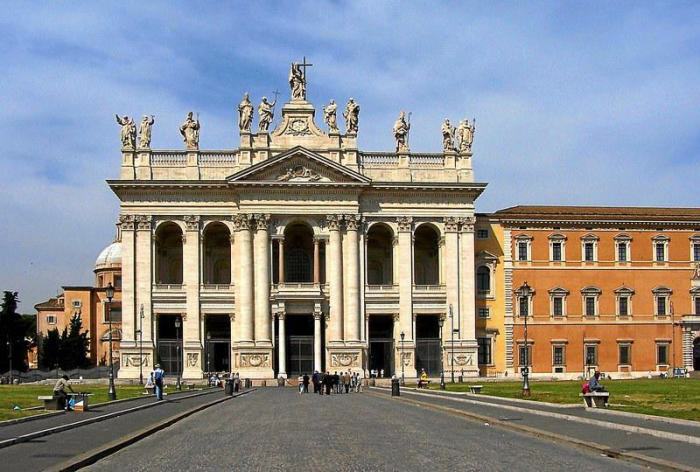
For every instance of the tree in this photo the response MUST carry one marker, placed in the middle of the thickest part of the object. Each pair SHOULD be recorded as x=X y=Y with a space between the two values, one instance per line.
x=74 y=346
x=13 y=346
x=50 y=349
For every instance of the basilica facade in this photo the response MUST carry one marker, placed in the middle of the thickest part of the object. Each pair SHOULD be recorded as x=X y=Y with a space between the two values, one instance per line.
x=297 y=251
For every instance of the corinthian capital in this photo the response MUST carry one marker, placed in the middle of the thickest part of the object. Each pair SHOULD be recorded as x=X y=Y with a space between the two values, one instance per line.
x=405 y=223
x=262 y=221
x=192 y=222
x=333 y=222
x=352 y=222
x=451 y=224
x=467 y=223
x=127 y=222
x=241 y=222
x=143 y=222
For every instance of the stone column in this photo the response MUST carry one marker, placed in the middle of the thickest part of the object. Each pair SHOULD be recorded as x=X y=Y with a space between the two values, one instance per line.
x=128 y=343
x=191 y=332
x=144 y=279
x=336 y=279
x=282 y=348
x=405 y=227
x=262 y=281
x=317 y=261
x=468 y=359
x=244 y=301
x=280 y=261
x=352 y=316
x=318 y=315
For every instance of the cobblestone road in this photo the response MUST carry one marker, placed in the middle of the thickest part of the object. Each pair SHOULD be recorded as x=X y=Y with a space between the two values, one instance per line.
x=277 y=429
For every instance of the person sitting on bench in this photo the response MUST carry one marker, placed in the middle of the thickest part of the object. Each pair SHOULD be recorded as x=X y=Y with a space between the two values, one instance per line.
x=423 y=380
x=594 y=384
x=59 y=391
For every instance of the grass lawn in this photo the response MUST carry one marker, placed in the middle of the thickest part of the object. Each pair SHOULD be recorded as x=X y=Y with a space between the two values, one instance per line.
x=676 y=398
x=26 y=396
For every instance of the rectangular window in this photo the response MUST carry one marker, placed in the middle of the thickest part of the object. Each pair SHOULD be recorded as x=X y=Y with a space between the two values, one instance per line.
x=558 y=355
x=482 y=234
x=484 y=313
x=622 y=252
x=115 y=313
x=661 y=306
x=524 y=355
x=558 y=306
x=485 y=351
x=118 y=282
x=623 y=306
x=556 y=251
x=590 y=306
x=522 y=251
x=588 y=252
x=696 y=252
x=660 y=252
x=625 y=351
x=524 y=306
x=697 y=305
x=591 y=354
x=51 y=319
x=662 y=354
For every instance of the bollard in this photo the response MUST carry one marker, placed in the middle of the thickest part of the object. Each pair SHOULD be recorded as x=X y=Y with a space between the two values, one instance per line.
x=395 y=388
x=228 y=389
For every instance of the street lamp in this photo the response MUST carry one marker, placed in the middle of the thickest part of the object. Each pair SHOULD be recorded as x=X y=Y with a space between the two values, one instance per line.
x=525 y=291
x=403 y=378
x=441 y=322
x=9 y=352
x=109 y=293
x=208 y=353
x=177 y=336
x=141 y=344
x=452 y=347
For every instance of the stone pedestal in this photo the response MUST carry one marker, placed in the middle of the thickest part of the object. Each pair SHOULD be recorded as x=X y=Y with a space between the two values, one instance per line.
x=407 y=356
x=465 y=359
x=131 y=358
x=192 y=361
x=346 y=358
x=253 y=362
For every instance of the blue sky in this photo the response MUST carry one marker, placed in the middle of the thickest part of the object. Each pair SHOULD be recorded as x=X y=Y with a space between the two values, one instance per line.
x=593 y=103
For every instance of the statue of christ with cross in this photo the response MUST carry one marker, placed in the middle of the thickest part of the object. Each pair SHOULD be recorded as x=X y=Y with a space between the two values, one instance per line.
x=297 y=79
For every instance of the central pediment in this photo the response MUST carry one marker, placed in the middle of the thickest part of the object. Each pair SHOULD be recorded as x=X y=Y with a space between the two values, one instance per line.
x=298 y=166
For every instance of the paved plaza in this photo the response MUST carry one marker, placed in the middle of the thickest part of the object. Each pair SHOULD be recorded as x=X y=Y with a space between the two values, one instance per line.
x=277 y=429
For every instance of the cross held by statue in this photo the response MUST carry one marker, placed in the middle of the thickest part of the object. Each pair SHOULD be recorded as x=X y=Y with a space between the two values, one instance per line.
x=304 y=65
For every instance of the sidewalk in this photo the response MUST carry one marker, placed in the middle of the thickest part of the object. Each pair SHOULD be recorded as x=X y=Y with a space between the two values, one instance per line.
x=535 y=419
x=47 y=451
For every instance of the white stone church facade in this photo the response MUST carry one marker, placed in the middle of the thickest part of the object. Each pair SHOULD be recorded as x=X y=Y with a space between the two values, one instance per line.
x=297 y=252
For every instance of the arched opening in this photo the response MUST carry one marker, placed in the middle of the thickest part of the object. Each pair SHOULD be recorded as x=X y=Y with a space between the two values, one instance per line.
x=426 y=256
x=168 y=254
x=483 y=279
x=380 y=260
x=298 y=253
x=217 y=254
x=696 y=354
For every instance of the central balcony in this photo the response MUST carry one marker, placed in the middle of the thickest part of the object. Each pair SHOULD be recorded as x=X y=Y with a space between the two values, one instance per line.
x=297 y=291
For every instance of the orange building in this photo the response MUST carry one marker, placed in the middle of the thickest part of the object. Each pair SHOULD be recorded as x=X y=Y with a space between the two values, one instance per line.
x=601 y=288
x=90 y=303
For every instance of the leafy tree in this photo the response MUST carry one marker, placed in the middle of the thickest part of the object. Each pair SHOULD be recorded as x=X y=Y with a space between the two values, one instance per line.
x=74 y=346
x=12 y=340
x=50 y=349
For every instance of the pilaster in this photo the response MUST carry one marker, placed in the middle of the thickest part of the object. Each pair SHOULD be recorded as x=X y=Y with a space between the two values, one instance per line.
x=336 y=280
x=128 y=343
x=352 y=280
x=262 y=281
x=191 y=332
x=144 y=277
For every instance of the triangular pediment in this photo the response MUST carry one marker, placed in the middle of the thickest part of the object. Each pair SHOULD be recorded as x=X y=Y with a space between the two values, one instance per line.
x=298 y=165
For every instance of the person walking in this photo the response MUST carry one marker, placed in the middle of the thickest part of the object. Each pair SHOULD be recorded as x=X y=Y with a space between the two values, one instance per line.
x=305 y=382
x=315 y=380
x=328 y=381
x=336 y=382
x=346 y=382
x=158 y=375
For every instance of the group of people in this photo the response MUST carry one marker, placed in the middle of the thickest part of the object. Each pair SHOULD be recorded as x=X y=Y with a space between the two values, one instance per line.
x=343 y=382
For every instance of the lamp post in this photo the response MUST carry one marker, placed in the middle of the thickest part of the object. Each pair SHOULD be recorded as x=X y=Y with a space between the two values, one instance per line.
x=403 y=378
x=452 y=347
x=111 y=392
x=525 y=291
x=141 y=344
x=673 y=343
x=208 y=353
x=441 y=322
x=177 y=336
x=9 y=352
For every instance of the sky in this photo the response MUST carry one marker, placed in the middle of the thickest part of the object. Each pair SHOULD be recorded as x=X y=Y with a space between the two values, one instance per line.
x=580 y=103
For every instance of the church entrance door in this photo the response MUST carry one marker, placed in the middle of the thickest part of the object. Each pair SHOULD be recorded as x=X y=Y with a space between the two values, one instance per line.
x=300 y=344
x=381 y=345
x=428 y=354
x=217 y=342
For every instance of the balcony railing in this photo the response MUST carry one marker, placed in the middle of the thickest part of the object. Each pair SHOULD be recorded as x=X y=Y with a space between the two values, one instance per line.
x=168 y=158
x=429 y=288
x=381 y=288
x=217 y=158
x=170 y=287
x=297 y=286
x=217 y=287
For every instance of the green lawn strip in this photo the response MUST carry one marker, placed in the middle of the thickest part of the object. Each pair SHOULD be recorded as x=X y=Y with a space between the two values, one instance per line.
x=674 y=398
x=25 y=396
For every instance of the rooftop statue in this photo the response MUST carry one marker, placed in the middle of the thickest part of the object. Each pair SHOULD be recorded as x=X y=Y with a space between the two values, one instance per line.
x=401 y=129
x=329 y=116
x=352 y=116
x=190 y=132
x=297 y=81
x=465 y=135
x=128 y=131
x=245 y=113
x=266 y=113
x=448 y=132
x=145 y=131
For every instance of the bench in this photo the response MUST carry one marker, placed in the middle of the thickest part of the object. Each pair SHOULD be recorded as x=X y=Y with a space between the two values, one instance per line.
x=150 y=390
x=51 y=402
x=423 y=384
x=595 y=399
x=475 y=388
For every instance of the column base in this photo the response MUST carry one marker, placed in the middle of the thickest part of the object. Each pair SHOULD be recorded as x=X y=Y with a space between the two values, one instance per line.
x=192 y=363
x=253 y=362
x=132 y=358
x=344 y=358
x=407 y=356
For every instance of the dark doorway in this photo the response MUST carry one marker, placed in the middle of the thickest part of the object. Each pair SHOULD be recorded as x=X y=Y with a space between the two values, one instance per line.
x=428 y=355
x=169 y=344
x=300 y=344
x=696 y=354
x=217 y=343
x=381 y=344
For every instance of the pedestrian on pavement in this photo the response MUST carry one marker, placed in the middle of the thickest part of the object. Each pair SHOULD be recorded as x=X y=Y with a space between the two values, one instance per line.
x=305 y=382
x=346 y=382
x=328 y=382
x=236 y=382
x=358 y=383
x=336 y=382
x=158 y=375
x=59 y=391
x=315 y=379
